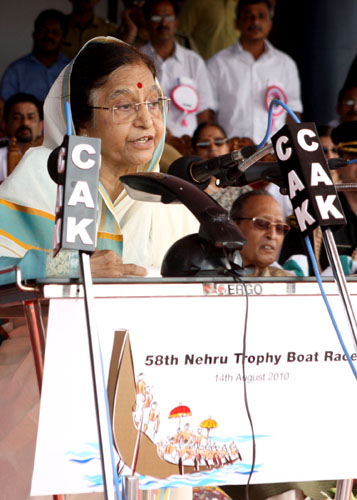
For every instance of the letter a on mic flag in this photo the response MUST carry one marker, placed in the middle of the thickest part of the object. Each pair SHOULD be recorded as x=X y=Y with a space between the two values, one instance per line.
x=76 y=207
x=306 y=173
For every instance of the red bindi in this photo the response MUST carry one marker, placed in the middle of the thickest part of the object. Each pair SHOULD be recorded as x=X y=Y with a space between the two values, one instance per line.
x=139 y=84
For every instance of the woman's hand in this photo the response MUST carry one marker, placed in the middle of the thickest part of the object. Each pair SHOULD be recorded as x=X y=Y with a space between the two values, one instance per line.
x=108 y=264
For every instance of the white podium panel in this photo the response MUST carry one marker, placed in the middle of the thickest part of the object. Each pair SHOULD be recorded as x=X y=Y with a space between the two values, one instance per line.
x=188 y=393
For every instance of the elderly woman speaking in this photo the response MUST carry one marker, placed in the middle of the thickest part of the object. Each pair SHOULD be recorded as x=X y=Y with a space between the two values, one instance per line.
x=113 y=95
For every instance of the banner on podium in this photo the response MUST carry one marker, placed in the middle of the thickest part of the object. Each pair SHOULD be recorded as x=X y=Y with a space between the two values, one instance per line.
x=176 y=385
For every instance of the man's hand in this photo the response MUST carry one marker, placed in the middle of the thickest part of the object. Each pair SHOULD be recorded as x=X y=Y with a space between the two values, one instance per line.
x=14 y=155
x=108 y=264
x=129 y=27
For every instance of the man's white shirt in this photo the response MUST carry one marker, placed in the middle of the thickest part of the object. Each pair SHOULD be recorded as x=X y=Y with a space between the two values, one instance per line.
x=240 y=85
x=183 y=67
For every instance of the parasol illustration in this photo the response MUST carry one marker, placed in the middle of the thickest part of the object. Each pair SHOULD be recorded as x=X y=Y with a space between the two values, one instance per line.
x=179 y=412
x=208 y=424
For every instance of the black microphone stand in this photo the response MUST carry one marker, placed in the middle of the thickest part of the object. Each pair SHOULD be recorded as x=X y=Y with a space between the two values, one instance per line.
x=100 y=399
x=68 y=170
x=339 y=275
x=344 y=486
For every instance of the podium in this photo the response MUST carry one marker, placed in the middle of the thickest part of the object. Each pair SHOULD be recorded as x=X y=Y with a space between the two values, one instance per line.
x=186 y=342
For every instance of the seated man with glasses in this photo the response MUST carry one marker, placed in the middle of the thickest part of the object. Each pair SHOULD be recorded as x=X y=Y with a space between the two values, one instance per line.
x=261 y=220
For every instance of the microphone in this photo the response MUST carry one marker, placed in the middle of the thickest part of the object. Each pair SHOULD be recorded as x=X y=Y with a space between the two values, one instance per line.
x=270 y=171
x=74 y=166
x=56 y=163
x=199 y=172
x=307 y=176
x=238 y=168
x=214 y=250
x=261 y=171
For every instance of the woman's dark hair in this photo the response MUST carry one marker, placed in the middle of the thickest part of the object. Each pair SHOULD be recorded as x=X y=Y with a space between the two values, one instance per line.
x=243 y=3
x=92 y=69
x=149 y=4
x=202 y=126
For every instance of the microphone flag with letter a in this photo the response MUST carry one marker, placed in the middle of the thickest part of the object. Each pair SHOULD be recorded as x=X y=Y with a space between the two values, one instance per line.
x=75 y=167
x=307 y=176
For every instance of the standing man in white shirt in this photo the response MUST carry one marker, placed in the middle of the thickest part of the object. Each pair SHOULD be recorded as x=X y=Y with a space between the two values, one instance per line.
x=248 y=75
x=182 y=73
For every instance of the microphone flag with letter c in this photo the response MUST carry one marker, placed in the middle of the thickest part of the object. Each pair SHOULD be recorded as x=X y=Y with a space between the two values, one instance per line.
x=74 y=166
x=306 y=173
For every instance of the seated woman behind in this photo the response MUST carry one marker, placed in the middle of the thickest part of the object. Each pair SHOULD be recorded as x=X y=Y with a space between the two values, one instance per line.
x=208 y=141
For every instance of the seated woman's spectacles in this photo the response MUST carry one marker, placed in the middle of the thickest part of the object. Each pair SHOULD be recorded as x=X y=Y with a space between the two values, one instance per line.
x=217 y=141
x=264 y=224
x=126 y=112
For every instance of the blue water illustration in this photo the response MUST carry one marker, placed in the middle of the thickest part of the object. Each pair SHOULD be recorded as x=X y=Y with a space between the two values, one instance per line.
x=216 y=477
x=96 y=480
x=90 y=455
x=238 y=439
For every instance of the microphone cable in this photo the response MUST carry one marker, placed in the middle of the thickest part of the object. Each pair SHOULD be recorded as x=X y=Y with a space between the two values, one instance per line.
x=277 y=102
x=238 y=279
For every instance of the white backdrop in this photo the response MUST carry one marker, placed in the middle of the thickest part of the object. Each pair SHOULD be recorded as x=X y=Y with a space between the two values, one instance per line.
x=300 y=391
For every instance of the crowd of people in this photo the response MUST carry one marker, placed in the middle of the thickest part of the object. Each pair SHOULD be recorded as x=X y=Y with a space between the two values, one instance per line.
x=219 y=90
x=120 y=81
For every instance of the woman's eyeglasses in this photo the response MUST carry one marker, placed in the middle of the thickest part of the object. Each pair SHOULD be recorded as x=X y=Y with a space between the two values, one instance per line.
x=124 y=113
x=217 y=141
x=264 y=224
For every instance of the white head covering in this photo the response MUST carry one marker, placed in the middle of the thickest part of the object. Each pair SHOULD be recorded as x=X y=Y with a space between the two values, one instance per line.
x=55 y=123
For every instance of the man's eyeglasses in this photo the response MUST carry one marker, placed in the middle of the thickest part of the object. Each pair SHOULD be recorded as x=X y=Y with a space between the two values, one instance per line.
x=264 y=224
x=349 y=102
x=217 y=141
x=168 y=18
x=124 y=113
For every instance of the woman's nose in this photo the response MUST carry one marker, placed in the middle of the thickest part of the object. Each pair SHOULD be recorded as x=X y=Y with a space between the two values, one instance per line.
x=143 y=115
